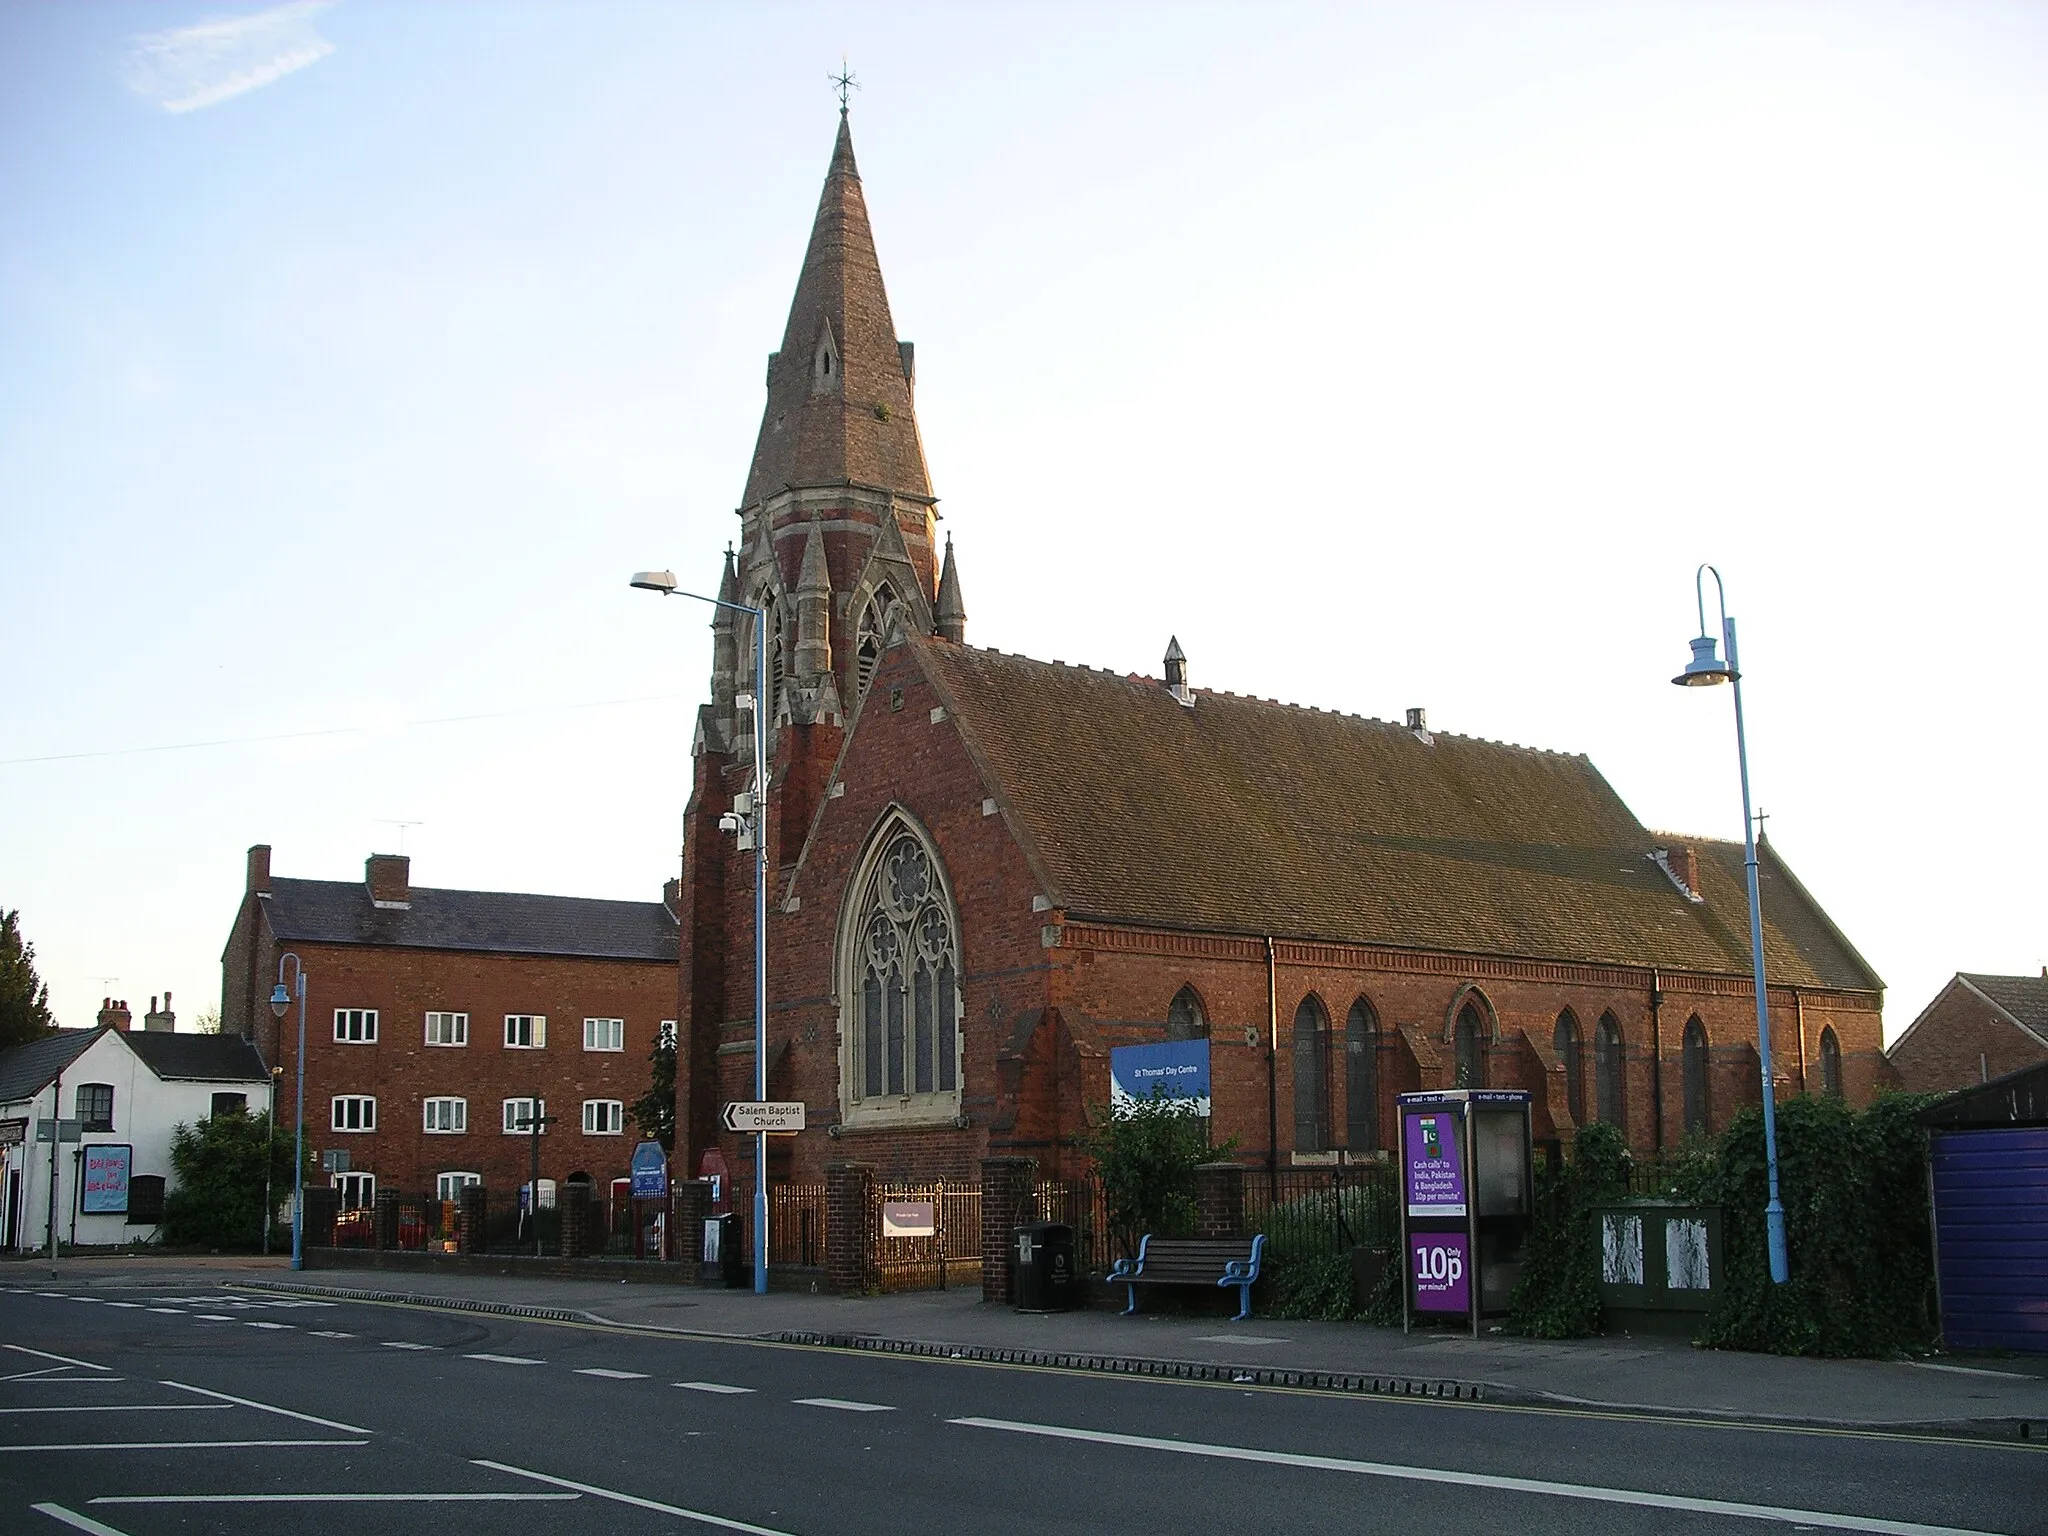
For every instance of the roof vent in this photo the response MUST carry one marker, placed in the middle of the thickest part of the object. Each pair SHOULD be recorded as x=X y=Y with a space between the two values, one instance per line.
x=1177 y=672
x=1418 y=722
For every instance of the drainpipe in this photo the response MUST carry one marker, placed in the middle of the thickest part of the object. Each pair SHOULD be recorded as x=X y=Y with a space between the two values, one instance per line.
x=1657 y=1061
x=1272 y=1070
x=1799 y=1018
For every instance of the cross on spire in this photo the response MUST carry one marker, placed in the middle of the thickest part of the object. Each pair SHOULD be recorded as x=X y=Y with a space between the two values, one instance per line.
x=844 y=82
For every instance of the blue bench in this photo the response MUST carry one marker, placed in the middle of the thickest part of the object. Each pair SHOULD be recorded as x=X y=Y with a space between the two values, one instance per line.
x=1205 y=1262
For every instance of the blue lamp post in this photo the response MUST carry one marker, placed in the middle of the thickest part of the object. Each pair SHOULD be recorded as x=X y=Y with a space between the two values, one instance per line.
x=750 y=819
x=1704 y=670
x=280 y=1004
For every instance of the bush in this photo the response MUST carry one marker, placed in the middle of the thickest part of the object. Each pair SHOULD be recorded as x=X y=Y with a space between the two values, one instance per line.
x=1307 y=1258
x=217 y=1165
x=1558 y=1296
x=1146 y=1159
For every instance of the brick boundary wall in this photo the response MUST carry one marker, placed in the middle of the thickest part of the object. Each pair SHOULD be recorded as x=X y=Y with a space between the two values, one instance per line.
x=1219 y=1200
x=384 y=1220
x=472 y=1210
x=575 y=1203
x=690 y=1202
x=1007 y=1186
x=849 y=1197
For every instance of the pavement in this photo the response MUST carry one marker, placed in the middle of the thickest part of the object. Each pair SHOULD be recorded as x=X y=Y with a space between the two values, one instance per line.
x=1995 y=1397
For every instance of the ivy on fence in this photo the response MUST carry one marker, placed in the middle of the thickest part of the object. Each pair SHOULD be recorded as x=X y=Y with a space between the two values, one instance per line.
x=1558 y=1296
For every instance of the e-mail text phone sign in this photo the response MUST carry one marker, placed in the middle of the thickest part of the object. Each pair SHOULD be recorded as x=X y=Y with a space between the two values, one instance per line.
x=1433 y=1170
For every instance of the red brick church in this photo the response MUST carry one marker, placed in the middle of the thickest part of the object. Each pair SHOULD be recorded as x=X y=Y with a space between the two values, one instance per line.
x=986 y=871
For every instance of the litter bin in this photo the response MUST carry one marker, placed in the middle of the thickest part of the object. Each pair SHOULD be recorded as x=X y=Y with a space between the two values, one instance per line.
x=722 y=1261
x=1044 y=1267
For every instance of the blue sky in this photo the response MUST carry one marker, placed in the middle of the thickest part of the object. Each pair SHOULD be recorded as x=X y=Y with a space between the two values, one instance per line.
x=352 y=355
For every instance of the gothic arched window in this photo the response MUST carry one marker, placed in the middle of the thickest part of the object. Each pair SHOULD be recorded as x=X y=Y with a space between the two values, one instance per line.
x=1311 y=1076
x=1185 y=1019
x=870 y=633
x=1693 y=1067
x=1830 y=1063
x=1570 y=1055
x=1362 y=1078
x=900 y=996
x=1608 y=1057
x=1471 y=1047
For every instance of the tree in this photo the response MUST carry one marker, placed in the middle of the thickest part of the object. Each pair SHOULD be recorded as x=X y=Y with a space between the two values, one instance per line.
x=1146 y=1155
x=207 y=1021
x=24 y=996
x=218 y=1199
x=655 y=1110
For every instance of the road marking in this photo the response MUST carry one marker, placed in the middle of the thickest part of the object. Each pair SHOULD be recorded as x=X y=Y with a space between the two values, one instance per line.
x=340 y=1498
x=44 y=1354
x=636 y=1502
x=170 y=1312
x=598 y=1370
x=401 y=1344
x=77 y=1522
x=708 y=1386
x=1628 y=1496
x=124 y=1408
x=215 y=1317
x=1969 y=1370
x=130 y=1305
x=255 y=1322
x=176 y=1445
x=1236 y=1338
x=506 y=1359
x=331 y=1333
x=283 y=1413
x=846 y=1404
x=85 y=1298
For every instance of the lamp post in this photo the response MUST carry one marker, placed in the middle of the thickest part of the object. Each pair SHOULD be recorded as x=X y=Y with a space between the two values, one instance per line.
x=749 y=819
x=1704 y=670
x=269 y=1155
x=280 y=1004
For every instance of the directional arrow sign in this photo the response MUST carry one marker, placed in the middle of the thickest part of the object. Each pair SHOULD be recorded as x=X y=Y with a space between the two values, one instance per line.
x=751 y=1116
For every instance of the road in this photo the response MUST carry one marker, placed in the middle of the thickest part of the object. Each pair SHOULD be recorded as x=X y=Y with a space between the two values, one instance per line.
x=196 y=1408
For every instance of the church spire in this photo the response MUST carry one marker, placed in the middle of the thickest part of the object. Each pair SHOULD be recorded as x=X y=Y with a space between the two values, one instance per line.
x=952 y=612
x=839 y=391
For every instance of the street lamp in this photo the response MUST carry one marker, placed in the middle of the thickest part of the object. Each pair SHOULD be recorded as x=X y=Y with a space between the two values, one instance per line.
x=280 y=1004
x=1704 y=670
x=748 y=817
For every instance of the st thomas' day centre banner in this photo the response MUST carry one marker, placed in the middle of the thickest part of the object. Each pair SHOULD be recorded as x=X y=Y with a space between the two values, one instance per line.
x=1178 y=1069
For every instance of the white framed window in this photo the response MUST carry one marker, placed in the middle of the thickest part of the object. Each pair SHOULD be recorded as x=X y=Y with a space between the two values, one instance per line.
x=604 y=1034
x=447 y=1029
x=355 y=1112
x=447 y=1117
x=520 y=1115
x=449 y=1186
x=604 y=1117
x=357 y=1190
x=525 y=1031
x=355 y=1026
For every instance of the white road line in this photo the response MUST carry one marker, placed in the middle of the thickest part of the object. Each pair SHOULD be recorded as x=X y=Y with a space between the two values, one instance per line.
x=340 y=1498
x=708 y=1386
x=1236 y=1338
x=132 y=1306
x=401 y=1344
x=331 y=1333
x=214 y=1317
x=44 y=1354
x=85 y=1298
x=125 y=1408
x=170 y=1311
x=259 y=1323
x=598 y=1370
x=1627 y=1496
x=176 y=1445
x=1968 y=1370
x=636 y=1502
x=847 y=1404
x=77 y=1522
x=506 y=1359
x=283 y=1413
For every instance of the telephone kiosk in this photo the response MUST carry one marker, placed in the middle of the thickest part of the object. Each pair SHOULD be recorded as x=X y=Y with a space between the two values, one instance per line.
x=1466 y=1198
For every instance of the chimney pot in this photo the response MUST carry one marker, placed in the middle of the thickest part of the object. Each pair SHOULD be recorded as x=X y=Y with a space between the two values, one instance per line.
x=672 y=898
x=389 y=877
x=115 y=1013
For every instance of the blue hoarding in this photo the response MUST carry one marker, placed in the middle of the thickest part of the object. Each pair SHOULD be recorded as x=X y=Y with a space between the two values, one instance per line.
x=1175 y=1069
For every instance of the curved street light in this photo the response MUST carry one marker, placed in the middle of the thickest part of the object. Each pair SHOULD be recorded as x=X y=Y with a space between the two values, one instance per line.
x=1705 y=670
x=280 y=1004
x=748 y=817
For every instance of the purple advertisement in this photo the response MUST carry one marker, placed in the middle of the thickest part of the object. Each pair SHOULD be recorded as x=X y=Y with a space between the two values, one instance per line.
x=1440 y=1271
x=1434 y=1174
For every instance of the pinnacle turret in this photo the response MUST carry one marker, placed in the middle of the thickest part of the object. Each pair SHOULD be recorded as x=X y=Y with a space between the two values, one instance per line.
x=952 y=612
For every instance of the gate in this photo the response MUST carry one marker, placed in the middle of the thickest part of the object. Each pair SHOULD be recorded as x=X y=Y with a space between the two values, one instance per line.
x=923 y=1237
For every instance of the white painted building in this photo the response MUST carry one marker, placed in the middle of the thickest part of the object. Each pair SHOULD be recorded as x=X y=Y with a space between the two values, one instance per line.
x=126 y=1090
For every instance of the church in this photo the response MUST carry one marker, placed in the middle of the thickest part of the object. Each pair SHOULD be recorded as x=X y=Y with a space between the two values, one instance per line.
x=986 y=872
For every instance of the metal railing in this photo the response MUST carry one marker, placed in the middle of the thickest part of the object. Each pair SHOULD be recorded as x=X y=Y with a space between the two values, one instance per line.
x=796 y=1225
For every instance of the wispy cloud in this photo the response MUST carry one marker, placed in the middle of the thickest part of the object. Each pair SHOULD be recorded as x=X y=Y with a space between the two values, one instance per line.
x=187 y=68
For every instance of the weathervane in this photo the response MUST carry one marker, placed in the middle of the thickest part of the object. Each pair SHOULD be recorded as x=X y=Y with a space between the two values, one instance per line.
x=843 y=82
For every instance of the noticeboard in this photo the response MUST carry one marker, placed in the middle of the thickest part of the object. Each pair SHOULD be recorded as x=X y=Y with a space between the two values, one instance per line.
x=650 y=1171
x=1171 y=1069
x=103 y=1191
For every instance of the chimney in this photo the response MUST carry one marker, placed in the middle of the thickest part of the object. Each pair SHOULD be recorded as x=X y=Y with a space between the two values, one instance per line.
x=1418 y=722
x=1685 y=864
x=1177 y=672
x=259 y=868
x=672 y=898
x=389 y=877
x=115 y=1014
x=159 y=1020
